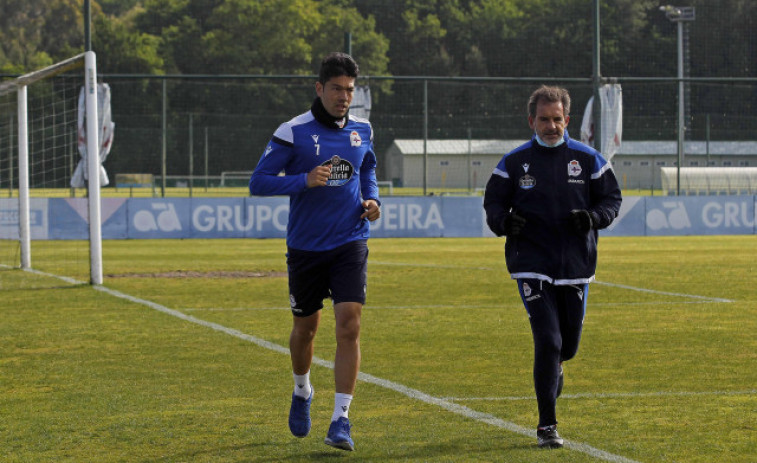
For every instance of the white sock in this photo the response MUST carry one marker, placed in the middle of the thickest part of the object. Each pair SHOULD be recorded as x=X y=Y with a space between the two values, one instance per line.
x=302 y=385
x=341 y=405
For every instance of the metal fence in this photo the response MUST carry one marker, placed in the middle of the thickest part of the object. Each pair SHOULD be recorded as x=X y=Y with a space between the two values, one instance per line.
x=205 y=127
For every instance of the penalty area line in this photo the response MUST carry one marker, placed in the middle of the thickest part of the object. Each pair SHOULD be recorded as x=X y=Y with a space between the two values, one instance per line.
x=365 y=377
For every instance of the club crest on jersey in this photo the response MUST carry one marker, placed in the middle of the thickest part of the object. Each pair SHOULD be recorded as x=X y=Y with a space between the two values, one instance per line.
x=341 y=171
x=574 y=168
x=355 y=139
x=526 y=182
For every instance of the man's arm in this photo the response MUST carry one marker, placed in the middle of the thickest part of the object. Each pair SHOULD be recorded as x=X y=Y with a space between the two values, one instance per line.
x=368 y=185
x=497 y=203
x=266 y=181
x=605 y=196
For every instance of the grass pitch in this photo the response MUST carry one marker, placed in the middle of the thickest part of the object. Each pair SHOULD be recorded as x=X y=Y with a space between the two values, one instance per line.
x=181 y=356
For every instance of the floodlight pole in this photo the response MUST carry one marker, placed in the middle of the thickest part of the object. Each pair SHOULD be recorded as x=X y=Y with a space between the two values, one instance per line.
x=597 y=81
x=680 y=15
x=87 y=26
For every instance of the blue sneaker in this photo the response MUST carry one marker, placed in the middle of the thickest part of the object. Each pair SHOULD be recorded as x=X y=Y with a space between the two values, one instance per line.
x=299 y=415
x=339 y=435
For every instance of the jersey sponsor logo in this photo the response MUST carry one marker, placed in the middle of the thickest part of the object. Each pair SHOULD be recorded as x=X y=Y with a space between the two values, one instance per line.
x=341 y=171
x=574 y=168
x=355 y=139
x=527 y=182
x=578 y=181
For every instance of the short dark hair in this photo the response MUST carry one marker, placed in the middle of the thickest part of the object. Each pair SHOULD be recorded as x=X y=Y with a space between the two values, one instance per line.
x=337 y=64
x=551 y=95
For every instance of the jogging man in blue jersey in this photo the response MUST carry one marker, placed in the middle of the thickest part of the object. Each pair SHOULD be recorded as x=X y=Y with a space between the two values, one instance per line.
x=549 y=197
x=329 y=172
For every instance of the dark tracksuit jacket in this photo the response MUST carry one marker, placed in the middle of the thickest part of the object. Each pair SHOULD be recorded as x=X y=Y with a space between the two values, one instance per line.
x=543 y=185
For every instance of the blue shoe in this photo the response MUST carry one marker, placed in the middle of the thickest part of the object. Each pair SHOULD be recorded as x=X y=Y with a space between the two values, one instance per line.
x=339 y=435
x=299 y=415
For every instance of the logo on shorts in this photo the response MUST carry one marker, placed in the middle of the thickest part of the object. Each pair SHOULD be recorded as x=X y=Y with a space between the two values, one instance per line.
x=293 y=304
x=526 y=289
x=341 y=171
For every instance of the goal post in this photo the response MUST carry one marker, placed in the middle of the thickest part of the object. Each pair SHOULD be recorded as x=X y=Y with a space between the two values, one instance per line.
x=20 y=86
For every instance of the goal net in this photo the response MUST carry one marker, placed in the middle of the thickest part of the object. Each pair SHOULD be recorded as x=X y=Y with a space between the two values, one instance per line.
x=38 y=155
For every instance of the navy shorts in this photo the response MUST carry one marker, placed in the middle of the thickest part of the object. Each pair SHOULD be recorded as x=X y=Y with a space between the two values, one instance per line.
x=339 y=273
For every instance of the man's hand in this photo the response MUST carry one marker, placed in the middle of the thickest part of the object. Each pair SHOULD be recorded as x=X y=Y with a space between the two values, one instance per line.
x=318 y=176
x=372 y=210
x=513 y=224
x=581 y=220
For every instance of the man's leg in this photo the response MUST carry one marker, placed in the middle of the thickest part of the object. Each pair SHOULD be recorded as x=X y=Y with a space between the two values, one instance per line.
x=301 y=352
x=538 y=298
x=572 y=311
x=346 y=367
x=348 y=284
x=301 y=342
x=347 y=360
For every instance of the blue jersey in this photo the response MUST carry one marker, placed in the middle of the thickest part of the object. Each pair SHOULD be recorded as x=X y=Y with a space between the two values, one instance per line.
x=320 y=218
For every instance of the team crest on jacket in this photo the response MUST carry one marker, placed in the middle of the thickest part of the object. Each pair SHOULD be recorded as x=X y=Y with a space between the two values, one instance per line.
x=574 y=168
x=355 y=139
x=341 y=171
x=527 y=182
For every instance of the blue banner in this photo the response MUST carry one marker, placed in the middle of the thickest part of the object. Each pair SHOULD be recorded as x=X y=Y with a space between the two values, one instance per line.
x=425 y=216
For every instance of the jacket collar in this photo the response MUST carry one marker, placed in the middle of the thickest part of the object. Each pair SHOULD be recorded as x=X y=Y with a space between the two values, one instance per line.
x=322 y=116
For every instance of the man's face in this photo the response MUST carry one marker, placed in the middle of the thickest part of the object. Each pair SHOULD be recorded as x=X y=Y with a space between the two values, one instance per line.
x=336 y=94
x=550 y=121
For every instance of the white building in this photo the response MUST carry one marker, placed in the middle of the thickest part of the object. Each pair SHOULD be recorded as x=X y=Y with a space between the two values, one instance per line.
x=468 y=164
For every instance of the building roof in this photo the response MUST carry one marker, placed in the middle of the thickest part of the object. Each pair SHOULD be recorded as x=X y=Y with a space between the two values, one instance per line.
x=640 y=148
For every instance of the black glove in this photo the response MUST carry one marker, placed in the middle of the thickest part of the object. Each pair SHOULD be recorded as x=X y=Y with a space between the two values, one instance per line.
x=582 y=220
x=513 y=224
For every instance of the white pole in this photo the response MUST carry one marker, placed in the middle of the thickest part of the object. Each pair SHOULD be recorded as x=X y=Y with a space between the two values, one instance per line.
x=93 y=167
x=23 y=180
x=680 y=107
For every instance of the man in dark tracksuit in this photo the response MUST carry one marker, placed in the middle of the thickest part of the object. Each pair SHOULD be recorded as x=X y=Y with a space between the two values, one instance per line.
x=549 y=197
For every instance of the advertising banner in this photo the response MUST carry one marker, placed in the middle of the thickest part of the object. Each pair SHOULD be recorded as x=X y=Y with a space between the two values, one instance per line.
x=401 y=217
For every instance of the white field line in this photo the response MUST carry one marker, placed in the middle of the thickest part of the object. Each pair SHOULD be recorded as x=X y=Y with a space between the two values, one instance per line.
x=365 y=377
x=609 y=395
x=616 y=285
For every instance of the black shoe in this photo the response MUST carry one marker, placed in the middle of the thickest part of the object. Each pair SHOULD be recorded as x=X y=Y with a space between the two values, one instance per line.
x=547 y=437
x=559 y=382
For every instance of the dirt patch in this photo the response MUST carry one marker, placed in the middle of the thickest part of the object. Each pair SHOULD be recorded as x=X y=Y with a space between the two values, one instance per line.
x=194 y=274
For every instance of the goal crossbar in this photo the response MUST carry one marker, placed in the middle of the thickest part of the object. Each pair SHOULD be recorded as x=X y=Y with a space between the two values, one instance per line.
x=52 y=70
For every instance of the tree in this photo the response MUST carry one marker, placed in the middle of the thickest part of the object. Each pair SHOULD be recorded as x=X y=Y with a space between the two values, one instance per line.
x=36 y=33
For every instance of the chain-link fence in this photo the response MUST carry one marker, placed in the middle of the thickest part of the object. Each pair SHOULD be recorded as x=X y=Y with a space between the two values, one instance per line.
x=198 y=131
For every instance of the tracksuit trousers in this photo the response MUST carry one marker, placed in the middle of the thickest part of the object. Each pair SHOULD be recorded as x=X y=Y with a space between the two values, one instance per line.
x=556 y=314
